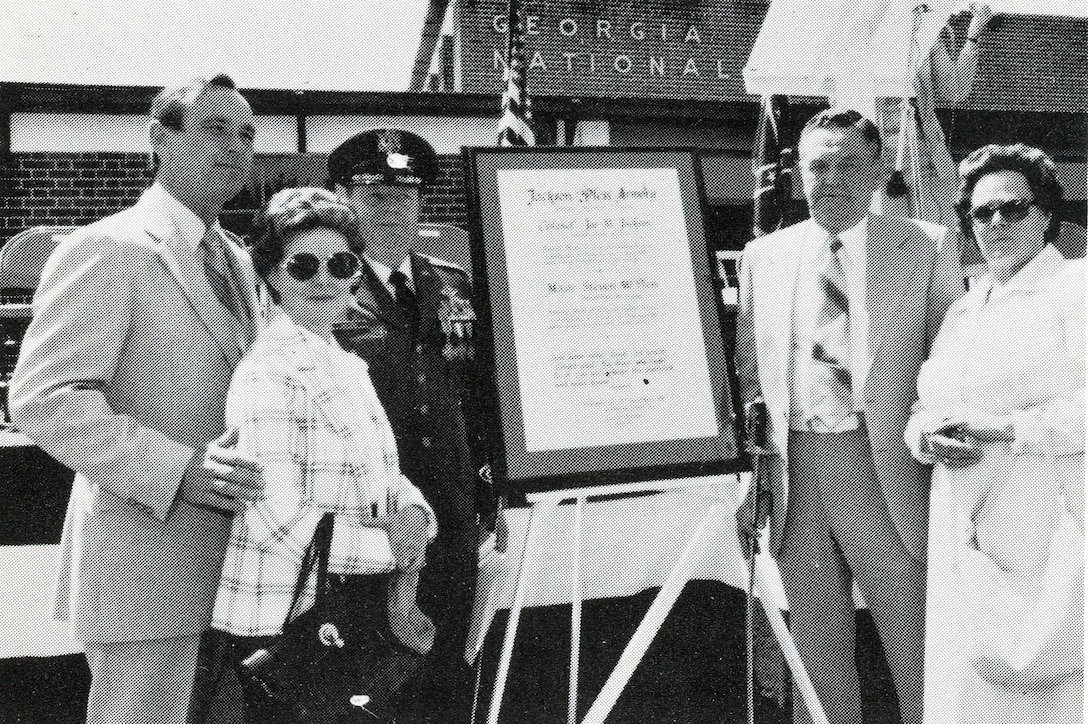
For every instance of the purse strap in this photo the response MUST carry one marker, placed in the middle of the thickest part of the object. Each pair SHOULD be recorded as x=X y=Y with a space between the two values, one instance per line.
x=317 y=552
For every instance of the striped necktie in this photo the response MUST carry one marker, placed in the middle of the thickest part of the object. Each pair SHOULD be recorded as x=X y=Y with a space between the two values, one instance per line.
x=832 y=390
x=220 y=274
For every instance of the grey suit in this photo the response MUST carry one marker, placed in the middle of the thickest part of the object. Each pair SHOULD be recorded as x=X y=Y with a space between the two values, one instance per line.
x=122 y=376
x=852 y=506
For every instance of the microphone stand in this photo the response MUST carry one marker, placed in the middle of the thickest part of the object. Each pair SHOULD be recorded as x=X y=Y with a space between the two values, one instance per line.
x=756 y=433
x=755 y=428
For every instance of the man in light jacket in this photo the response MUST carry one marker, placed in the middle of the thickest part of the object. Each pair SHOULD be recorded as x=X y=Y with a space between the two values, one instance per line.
x=836 y=315
x=138 y=323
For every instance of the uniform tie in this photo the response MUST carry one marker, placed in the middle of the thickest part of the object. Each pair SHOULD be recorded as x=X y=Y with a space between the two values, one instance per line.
x=219 y=274
x=406 y=298
x=832 y=390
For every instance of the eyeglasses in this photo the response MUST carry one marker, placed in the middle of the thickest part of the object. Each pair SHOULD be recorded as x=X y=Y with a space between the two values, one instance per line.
x=304 y=266
x=1011 y=211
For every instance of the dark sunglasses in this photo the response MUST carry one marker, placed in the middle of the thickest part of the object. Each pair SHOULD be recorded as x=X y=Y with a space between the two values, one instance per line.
x=1011 y=211
x=305 y=266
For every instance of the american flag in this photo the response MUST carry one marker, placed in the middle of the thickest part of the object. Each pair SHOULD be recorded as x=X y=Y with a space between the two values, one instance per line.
x=516 y=123
x=772 y=165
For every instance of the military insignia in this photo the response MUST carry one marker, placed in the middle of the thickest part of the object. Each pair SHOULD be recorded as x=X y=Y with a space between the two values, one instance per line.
x=389 y=143
x=458 y=321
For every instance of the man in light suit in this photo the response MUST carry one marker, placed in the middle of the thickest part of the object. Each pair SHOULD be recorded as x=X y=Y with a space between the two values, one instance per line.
x=837 y=313
x=139 y=322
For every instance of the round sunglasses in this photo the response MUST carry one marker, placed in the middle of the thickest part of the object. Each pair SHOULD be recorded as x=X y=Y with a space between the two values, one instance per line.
x=1012 y=211
x=304 y=266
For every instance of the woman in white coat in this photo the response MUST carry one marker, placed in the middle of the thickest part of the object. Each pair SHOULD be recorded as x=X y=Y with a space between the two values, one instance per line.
x=1001 y=414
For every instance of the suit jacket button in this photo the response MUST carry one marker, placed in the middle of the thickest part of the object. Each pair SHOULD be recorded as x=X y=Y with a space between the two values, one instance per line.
x=423 y=409
x=419 y=349
x=421 y=379
x=426 y=442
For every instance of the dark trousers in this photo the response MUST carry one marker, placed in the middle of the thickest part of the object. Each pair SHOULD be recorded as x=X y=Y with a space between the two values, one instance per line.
x=838 y=531
x=442 y=692
x=218 y=697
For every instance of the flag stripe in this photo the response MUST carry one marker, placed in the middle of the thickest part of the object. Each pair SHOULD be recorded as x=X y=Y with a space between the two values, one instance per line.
x=516 y=121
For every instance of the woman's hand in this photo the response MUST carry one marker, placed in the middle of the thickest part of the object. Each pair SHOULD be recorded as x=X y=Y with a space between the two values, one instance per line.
x=987 y=428
x=958 y=440
x=981 y=14
x=407 y=530
x=998 y=672
x=951 y=446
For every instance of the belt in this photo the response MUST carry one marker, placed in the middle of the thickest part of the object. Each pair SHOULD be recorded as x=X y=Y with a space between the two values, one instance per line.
x=849 y=424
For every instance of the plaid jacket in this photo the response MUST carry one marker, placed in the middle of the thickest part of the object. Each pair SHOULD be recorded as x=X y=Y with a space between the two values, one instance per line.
x=308 y=412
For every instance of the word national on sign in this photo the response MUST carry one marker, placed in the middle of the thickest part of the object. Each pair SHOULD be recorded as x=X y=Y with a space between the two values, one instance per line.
x=621 y=64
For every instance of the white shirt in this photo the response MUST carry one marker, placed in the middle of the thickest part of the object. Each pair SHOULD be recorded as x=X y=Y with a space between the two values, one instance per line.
x=190 y=227
x=383 y=272
x=808 y=300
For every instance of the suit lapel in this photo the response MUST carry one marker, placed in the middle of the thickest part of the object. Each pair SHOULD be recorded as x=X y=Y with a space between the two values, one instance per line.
x=188 y=272
x=245 y=283
x=895 y=273
x=779 y=284
x=427 y=285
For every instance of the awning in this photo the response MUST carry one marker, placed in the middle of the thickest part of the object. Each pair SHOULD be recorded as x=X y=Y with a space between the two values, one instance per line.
x=366 y=45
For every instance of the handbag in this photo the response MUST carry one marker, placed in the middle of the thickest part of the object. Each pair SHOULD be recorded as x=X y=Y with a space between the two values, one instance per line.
x=337 y=662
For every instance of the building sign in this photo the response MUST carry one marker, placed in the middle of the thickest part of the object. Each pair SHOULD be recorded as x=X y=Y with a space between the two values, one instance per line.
x=650 y=49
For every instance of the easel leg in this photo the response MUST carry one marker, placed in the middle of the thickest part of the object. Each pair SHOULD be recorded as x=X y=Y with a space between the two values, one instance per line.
x=789 y=648
x=576 y=613
x=535 y=521
x=693 y=553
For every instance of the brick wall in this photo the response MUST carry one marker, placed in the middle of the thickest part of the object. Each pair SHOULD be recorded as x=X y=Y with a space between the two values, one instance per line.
x=46 y=189
x=67 y=188
x=444 y=200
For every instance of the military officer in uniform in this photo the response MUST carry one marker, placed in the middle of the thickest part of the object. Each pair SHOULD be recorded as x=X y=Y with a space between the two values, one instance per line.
x=413 y=321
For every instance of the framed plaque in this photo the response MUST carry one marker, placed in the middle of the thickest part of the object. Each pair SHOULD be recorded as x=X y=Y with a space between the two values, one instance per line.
x=599 y=316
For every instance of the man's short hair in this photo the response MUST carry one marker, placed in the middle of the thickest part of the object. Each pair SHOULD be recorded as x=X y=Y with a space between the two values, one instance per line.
x=173 y=102
x=843 y=119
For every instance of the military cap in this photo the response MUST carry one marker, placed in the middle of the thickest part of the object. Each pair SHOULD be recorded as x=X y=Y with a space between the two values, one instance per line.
x=382 y=156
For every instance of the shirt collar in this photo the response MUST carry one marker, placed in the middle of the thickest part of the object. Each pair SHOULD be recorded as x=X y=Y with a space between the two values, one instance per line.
x=287 y=335
x=1033 y=276
x=190 y=226
x=853 y=239
x=1037 y=272
x=383 y=272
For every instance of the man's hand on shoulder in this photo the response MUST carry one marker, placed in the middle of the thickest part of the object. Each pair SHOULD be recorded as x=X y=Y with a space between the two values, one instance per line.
x=221 y=478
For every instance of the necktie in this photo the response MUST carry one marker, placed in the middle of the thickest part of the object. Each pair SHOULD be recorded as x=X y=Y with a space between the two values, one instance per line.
x=406 y=298
x=219 y=274
x=832 y=390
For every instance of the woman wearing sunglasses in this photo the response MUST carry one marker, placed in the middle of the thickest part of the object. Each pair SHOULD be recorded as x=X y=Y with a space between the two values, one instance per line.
x=307 y=410
x=1001 y=415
